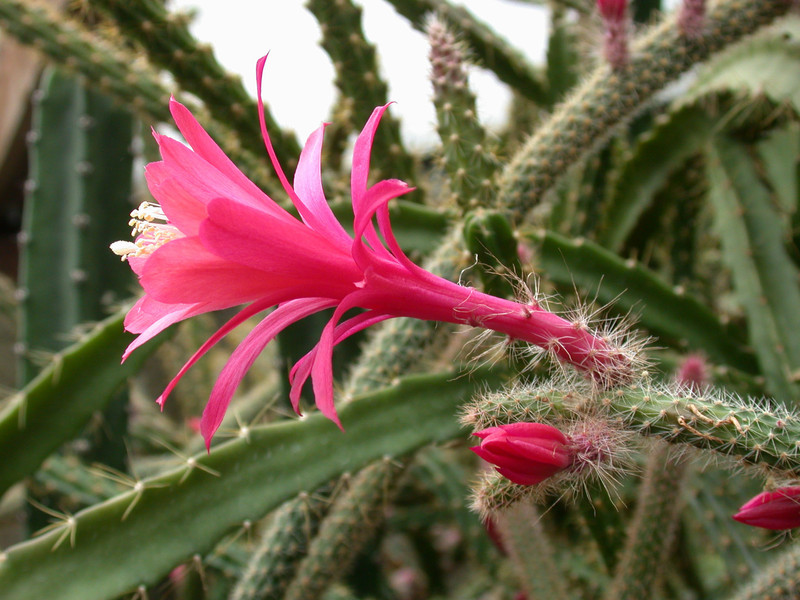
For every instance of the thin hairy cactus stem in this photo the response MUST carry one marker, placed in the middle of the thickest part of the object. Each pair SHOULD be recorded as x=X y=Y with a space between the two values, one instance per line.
x=609 y=97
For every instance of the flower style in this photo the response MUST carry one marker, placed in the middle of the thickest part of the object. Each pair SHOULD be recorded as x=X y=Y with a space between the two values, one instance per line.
x=216 y=241
x=525 y=453
x=778 y=509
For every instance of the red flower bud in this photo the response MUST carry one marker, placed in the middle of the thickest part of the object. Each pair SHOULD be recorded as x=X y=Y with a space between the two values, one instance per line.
x=612 y=10
x=525 y=453
x=778 y=509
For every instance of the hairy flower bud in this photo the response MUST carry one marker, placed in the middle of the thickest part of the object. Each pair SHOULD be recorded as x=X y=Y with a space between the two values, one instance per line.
x=615 y=22
x=778 y=509
x=525 y=453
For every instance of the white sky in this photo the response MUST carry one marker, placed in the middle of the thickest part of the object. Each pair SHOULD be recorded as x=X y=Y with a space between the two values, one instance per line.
x=298 y=80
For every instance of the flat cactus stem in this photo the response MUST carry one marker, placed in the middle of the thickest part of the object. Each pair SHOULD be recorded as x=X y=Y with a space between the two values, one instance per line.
x=490 y=49
x=607 y=99
x=650 y=535
x=168 y=42
x=116 y=72
x=64 y=396
x=283 y=544
x=748 y=432
x=531 y=552
x=353 y=520
x=467 y=160
x=779 y=580
x=765 y=276
x=187 y=511
x=359 y=81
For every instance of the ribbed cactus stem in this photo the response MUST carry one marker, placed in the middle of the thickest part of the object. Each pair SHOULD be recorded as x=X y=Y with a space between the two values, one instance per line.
x=465 y=157
x=531 y=552
x=778 y=580
x=285 y=541
x=652 y=530
x=359 y=80
x=749 y=432
x=168 y=42
x=607 y=98
x=115 y=71
x=352 y=521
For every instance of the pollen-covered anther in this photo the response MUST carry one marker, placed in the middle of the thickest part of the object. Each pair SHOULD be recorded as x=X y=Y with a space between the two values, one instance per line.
x=152 y=227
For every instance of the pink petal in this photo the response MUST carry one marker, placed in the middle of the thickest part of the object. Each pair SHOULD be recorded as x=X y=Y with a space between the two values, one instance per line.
x=247 y=352
x=302 y=368
x=183 y=210
x=183 y=271
x=149 y=317
x=202 y=144
x=361 y=156
x=376 y=197
x=313 y=206
x=265 y=134
x=322 y=367
x=292 y=251
x=237 y=320
x=204 y=182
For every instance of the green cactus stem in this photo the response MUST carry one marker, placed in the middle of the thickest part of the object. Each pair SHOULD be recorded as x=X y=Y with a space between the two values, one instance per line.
x=117 y=72
x=607 y=99
x=166 y=39
x=651 y=532
x=748 y=432
x=361 y=85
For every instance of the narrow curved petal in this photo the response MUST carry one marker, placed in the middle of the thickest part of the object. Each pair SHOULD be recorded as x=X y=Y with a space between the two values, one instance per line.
x=378 y=195
x=313 y=206
x=246 y=353
x=234 y=322
x=302 y=368
x=149 y=317
x=265 y=134
x=322 y=367
x=361 y=157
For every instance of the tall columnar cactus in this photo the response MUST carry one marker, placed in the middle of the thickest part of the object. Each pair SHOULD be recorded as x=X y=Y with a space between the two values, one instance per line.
x=634 y=222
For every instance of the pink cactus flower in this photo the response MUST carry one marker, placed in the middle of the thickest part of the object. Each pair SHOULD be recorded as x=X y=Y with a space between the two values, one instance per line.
x=778 y=509
x=215 y=241
x=525 y=453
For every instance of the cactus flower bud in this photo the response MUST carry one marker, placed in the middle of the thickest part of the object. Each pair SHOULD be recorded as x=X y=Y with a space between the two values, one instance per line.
x=778 y=509
x=525 y=453
x=615 y=22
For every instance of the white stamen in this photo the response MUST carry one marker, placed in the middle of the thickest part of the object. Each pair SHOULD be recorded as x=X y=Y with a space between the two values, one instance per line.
x=152 y=226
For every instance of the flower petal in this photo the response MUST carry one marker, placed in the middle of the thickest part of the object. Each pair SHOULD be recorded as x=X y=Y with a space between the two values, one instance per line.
x=361 y=157
x=247 y=352
x=236 y=320
x=149 y=317
x=182 y=209
x=302 y=368
x=203 y=145
x=291 y=251
x=313 y=206
x=182 y=271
